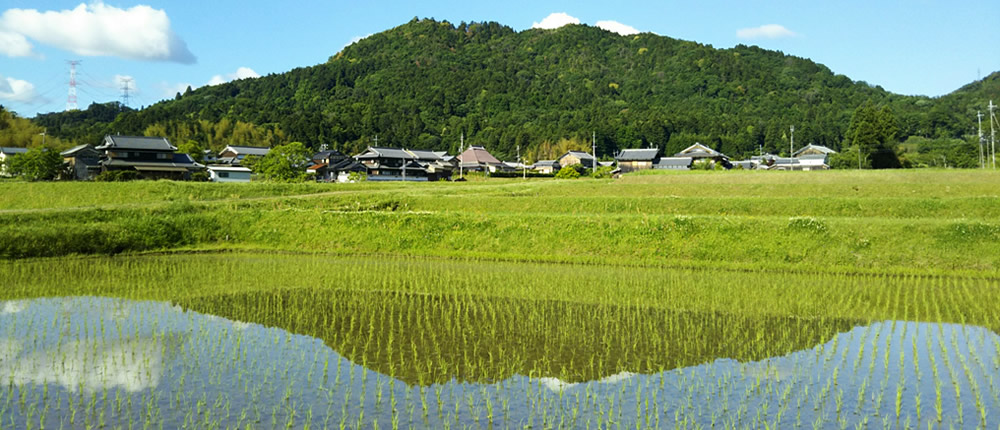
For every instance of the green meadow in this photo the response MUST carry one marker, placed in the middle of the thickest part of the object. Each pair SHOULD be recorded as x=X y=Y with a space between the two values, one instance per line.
x=670 y=300
x=868 y=221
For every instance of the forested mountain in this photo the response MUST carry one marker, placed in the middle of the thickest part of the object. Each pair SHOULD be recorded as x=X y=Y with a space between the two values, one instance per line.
x=425 y=83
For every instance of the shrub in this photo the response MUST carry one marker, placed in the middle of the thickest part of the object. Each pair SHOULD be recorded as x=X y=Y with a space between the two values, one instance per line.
x=117 y=176
x=568 y=172
x=603 y=172
x=357 y=176
x=38 y=164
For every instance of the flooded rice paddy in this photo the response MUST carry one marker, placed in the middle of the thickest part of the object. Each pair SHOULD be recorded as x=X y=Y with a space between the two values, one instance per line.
x=245 y=361
x=272 y=341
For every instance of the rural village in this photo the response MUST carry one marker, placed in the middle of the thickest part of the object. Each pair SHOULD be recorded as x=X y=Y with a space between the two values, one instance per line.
x=320 y=215
x=140 y=157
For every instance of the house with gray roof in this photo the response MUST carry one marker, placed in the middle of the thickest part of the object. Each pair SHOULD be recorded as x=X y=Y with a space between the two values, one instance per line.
x=703 y=154
x=5 y=153
x=674 y=163
x=811 y=149
x=577 y=157
x=630 y=160
x=84 y=161
x=234 y=154
x=222 y=173
x=400 y=164
x=547 y=167
x=152 y=157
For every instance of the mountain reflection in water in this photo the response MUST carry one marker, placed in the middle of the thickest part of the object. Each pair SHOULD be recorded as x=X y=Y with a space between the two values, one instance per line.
x=422 y=339
x=370 y=360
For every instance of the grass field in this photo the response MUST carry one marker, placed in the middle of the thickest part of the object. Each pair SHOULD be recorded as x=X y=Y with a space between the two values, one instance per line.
x=900 y=221
x=679 y=300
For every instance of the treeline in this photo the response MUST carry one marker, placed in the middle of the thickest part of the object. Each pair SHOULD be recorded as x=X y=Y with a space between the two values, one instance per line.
x=23 y=133
x=427 y=83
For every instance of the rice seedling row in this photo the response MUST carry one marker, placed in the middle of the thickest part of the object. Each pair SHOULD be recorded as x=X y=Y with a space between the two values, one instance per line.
x=272 y=341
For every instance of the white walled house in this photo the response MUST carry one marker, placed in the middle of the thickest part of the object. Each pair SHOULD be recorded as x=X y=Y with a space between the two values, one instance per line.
x=228 y=174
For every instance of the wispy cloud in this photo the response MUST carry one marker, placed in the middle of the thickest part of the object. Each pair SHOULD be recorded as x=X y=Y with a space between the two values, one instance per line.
x=20 y=91
x=768 y=31
x=95 y=29
x=241 y=73
x=556 y=20
x=617 y=27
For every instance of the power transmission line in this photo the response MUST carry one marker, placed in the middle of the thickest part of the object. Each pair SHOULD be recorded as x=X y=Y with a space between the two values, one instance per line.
x=125 y=96
x=71 y=95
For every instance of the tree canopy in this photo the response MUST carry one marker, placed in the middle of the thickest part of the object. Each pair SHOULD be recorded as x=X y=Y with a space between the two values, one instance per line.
x=286 y=163
x=38 y=164
x=426 y=83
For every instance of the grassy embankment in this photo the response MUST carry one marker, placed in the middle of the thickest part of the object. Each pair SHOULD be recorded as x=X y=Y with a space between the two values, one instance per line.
x=926 y=222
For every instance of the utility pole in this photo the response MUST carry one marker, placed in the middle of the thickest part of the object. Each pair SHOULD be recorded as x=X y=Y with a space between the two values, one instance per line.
x=376 y=141
x=524 y=171
x=982 y=157
x=593 y=148
x=71 y=96
x=993 y=136
x=461 y=149
x=791 y=143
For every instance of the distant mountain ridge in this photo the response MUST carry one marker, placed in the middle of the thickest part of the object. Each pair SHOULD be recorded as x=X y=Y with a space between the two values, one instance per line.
x=426 y=83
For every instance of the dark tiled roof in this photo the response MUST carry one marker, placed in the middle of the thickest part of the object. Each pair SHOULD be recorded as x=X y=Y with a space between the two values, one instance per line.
x=646 y=154
x=347 y=164
x=387 y=153
x=674 y=161
x=142 y=164
x=333 y=153
x=139 y=143
x=425 y=155
x=579 y=154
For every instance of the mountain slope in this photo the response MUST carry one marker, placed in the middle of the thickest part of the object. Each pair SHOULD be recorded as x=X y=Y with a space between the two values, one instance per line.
x=426 y=83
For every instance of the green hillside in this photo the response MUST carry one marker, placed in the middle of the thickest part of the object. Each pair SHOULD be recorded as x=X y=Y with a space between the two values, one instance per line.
x=425 y=83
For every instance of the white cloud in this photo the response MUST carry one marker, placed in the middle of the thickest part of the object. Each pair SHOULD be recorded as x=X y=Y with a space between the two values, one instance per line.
x=617 y=27
x=17 y=90
x=134 y=365
x=556 y=20
x=355 y=39
x=13 y=306
x=168 y=90
x=241 y=73
x=95 y=29
x=14 y=45
x=769 y=31
x=171 y=90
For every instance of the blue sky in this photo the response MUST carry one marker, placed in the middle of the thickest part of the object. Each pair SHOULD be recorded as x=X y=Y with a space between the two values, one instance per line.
x=908 y=47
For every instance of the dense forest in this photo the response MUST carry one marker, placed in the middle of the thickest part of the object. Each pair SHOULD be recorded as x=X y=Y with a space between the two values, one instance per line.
x=426 y=83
